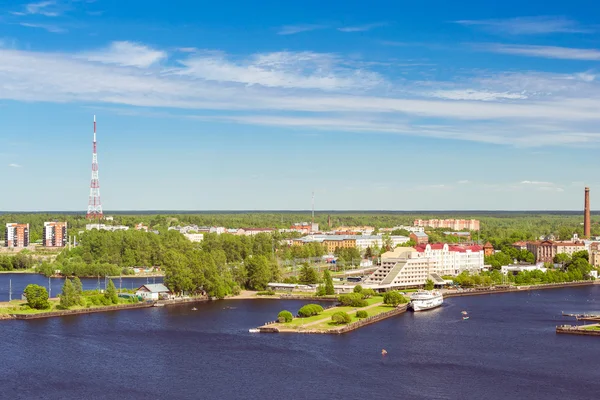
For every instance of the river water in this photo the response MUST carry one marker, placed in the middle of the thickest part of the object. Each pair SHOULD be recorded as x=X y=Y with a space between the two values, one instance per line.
x=54 y=285
x=506 y=350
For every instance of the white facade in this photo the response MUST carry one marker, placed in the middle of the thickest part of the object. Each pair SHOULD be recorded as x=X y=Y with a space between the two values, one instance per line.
x=408 y=267
x=413 y=229
x=194 y=237
x=451 y=259
x=362 y=241
x=505 y=269
x=103 y=227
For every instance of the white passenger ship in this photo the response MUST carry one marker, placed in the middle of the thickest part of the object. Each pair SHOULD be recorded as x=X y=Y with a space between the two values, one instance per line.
x=425 y=300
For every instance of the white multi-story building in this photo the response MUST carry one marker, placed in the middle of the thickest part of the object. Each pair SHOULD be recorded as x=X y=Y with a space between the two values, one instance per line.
x=408 y=267
x=456 y=224
x=413 y=229
x=453 y=259
x=361 y=242
x=103 y=227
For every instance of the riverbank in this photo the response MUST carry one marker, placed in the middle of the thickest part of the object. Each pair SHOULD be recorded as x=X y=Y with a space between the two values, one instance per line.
x=587 y=330
x=513 y=289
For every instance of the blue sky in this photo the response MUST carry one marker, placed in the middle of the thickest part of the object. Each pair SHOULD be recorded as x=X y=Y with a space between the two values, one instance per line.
x=254 y=105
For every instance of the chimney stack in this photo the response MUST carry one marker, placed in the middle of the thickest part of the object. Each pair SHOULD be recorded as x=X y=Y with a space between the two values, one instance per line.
x=586 y=215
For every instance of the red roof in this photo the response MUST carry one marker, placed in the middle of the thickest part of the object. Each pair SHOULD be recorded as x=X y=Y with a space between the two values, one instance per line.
x=451 y=247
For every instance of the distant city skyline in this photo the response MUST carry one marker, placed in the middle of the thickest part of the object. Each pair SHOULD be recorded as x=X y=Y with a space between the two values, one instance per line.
x=234 y=106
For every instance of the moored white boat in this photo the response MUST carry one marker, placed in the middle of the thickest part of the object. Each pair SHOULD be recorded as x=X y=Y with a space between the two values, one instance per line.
x=425 y=300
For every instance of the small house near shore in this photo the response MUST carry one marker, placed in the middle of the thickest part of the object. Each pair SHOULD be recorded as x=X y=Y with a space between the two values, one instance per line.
x=153 y=291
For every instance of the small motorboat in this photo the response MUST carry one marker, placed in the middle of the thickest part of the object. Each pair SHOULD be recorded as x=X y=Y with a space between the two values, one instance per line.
x=254 y=330
x=463 y=312
x=194 y=309
x=383 y=352
x=465 y=318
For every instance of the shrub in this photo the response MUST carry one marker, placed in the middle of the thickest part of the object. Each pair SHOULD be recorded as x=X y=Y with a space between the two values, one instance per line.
x=321 y=290
x=358 y=289
x=367 y=293
x=37 y=297
x=266 y=293
x=362 y=314
x=309 y=310
x=394 y=298
x=340 y=318
x=285 y=316
x=352 y=300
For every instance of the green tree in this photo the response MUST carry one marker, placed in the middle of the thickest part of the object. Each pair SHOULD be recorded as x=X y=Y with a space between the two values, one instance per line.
x=394 y=298
x=111 y=293
x=78 y=290
x=329 y=289
x=429 y=284
x=369 y=252
x=308 y=275
x=68 y=298
x=259 y=273
x=562 y=258
x=321 y=291
x=309 y=310
x=362 y=314
x=357 y=289
x=352 y=300
x=37 y=297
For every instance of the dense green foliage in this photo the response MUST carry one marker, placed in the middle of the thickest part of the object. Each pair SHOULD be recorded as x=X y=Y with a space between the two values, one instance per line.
x=340 y=318
x=394 y=298
x=309 y=310
x=68 y=297
x=357 y=289
x=429 y=284
x=37 y=297
x=329 y=289
x=507 y=256
x=362 y=314
x=352 y=300
x=285 y=316
x=21 y=260
x=308 y=275
x=367 y=293
x=110 y=293
x=348 y=256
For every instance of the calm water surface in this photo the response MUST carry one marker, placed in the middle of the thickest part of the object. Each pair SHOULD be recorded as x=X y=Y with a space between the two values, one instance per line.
x=507 y=350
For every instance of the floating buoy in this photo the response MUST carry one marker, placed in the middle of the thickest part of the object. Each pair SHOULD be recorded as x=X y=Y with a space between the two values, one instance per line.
x=463 y=312
x=383 y=352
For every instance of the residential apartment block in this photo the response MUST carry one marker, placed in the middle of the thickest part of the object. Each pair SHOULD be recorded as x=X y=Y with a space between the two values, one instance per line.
x=55 y=234
x=17 y=235
x=456 y=224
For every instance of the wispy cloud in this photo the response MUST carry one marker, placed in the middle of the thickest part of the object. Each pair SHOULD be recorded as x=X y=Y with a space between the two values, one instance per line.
x=528 y=25
x=463 y=182
x=281 y=69
x=565 y=53
x=14 y=165
x=537 y=183
x=47 y=27
x=310 y=92
x=126 y=54
x=362 y=28
x=293 y=29
x=45 y=8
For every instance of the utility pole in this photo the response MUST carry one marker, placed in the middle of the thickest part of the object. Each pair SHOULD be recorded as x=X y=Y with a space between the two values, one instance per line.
x=10 y=290
x=49 y=288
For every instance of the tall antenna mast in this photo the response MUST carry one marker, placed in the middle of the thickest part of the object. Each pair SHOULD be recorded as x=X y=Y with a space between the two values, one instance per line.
x=94 y=210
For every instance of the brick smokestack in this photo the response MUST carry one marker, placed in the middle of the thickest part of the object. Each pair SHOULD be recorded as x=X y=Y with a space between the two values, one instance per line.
x=586 y=215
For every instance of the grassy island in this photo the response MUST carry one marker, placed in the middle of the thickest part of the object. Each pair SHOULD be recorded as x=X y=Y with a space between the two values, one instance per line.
x=330 y=321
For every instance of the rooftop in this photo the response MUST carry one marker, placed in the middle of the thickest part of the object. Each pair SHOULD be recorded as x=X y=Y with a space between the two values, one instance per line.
x=155 y=287
x=439 y=246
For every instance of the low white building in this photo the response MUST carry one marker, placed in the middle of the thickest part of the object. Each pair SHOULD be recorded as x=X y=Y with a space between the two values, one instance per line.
x=194 y=237
x=153 y=291
x=516 y=268
x=103 y=227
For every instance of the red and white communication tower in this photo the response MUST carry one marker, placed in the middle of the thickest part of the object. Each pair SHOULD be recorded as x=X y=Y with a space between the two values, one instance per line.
x=94 y=210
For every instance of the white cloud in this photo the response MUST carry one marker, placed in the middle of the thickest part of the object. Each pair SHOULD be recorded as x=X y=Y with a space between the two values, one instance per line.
x=281 y=69
x=565 y=53
x=528 y=25
x=311 y=91
x=362 y=28
x=470 y=94
x=45 y=8
x=536 y=183
x=293 y=29
x=126 y=54
x=47 y=27
x=14 y=165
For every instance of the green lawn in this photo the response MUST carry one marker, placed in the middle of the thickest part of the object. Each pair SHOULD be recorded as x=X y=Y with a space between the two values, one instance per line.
x=298 y=322
x=17 y=307
x=592 y=328
x=328 y=324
